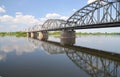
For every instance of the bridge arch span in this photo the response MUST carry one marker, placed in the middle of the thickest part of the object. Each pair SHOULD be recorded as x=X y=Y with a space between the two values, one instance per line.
x=53 y=23
x=100 y=11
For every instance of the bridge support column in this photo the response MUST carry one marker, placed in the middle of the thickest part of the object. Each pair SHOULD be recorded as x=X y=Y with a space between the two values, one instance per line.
x=28 y=34
x=33 y=34
x=43 y=35
x=68 y=37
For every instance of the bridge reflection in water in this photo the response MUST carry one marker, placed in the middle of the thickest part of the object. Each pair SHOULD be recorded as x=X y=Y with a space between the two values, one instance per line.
x=95 y=63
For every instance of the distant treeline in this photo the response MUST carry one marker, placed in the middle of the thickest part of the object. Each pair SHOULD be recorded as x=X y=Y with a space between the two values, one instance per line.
x=86 y=33
x=17 y=34
x=57 y=33
x=97 y=33
x=54 y=33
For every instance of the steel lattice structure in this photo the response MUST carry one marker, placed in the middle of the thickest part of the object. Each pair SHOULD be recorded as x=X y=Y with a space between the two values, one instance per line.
x=53 y=23
x=34 y=28
x=103 y=13
x=100 y=11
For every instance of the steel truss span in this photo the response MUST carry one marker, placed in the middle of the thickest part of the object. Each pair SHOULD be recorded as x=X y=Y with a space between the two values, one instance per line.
x=53 y=23
x=93 y=15
x=100 y=11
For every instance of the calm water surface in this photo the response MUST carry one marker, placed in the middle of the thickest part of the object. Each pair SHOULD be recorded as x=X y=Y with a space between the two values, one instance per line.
x=91 y=56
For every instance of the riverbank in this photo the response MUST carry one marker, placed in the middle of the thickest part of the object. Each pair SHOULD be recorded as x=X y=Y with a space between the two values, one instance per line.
x=17 y=34
x=57 y=34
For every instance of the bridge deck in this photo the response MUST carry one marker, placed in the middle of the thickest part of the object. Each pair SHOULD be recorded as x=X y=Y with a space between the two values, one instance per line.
x=100 y=25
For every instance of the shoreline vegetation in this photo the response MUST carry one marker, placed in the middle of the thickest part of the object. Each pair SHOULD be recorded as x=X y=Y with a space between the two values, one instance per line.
x=57 y=33
x=17 y=34
x=86 y=33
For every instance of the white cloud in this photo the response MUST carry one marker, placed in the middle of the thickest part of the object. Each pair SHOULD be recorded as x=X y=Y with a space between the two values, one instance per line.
x=64 y=17
x=0 y=26
x=74 y=10
x=53 y=15
x=101 y=2
x=27 y=20
x=90 y=1
x=2 y=10
x=21 y=21
x=18 y=13
x=6 y=18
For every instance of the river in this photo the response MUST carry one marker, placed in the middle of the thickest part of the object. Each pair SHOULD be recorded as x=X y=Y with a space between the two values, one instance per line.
x=90 y=56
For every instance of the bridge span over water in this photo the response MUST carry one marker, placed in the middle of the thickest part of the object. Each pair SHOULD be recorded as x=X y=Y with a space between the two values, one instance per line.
x=99 y=14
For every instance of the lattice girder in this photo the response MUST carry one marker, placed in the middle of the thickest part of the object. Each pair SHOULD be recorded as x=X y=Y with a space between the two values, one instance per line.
x=100 y=11
x=53 y=23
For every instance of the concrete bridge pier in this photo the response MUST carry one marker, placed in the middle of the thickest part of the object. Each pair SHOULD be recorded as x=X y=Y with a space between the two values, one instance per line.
x=34 y=34
x=42 y=35
x=68 y=37
x=28 y=34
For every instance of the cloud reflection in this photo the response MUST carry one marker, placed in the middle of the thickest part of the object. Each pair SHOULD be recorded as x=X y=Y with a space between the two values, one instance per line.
x=2 y=57
x=14 y=44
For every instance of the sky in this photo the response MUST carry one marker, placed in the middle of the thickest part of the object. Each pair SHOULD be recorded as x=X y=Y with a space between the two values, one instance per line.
x=17 y=15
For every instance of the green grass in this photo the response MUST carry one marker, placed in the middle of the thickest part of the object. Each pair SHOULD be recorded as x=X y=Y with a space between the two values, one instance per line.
x=56 y=34
x=17 y=34
x=85 y=33
x=97 y=33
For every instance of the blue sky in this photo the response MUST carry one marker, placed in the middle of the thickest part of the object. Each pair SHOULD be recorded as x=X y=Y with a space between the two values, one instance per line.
x=40 y=8
x=20 y=14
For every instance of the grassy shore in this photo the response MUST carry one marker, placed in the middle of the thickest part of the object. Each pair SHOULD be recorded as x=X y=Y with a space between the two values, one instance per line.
x=97 y=33
x=85 y=33
x=57 y=33
x=17 y=34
